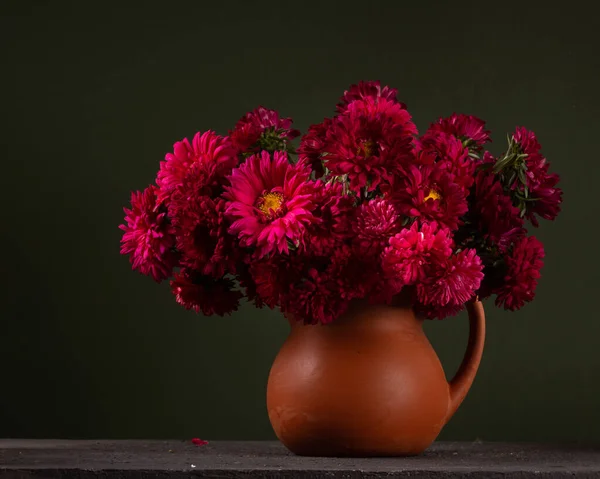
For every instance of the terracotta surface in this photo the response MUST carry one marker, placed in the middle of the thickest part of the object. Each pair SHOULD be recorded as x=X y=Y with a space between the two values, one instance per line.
x=369 y=384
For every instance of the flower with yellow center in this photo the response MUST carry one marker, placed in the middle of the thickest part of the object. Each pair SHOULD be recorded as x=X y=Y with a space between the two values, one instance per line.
x=270 y=203
x=366 y=148
x=433 y=195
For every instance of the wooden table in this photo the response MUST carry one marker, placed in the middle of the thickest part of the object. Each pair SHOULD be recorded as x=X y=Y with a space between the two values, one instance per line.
x=22 y=459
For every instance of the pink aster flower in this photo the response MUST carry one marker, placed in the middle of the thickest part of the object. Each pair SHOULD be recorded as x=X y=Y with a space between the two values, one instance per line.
x=270 y=202
x=205 y=294
x=148 y=239
x=258 y=123
x=430 y=193
x=369 y=143
x=209 y=157
x=495 y=209
x=331 y=219
x=467 y=128
x=364 y=90
x=454 y=283
x=545 y=197
x=376 y=221
x=523 y=265
x=415 y=252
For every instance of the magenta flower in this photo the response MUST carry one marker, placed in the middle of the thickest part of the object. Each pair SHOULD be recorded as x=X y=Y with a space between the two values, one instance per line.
x=270 y=203
x=467 y=128
x=148 y=239
x=376 y=221
x=414 y=253
x=209 y=158
x=261 y=122
x=454 y=283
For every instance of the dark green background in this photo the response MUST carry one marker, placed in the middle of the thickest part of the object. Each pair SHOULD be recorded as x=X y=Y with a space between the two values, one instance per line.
x=94 y=94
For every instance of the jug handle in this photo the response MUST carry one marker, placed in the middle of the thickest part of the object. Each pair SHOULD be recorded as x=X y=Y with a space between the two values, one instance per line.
x=462 y=381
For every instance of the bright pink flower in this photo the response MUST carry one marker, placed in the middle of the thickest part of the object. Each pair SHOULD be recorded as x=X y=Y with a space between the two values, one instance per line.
x=415 y=252
x=467 y=128
x=312 y=146
x=430 y=193
x=367 y=89
x=205 y=294
x=201 y=231
x=523 y=265
x=262 y=122
x=369 y=143
x=270 y=202
x=376 y=221
x=148 y=239
x=209 y=158
x=454 y=283
x=494 y=208
x=331 y=223
x=199 y=442
x=541 y=184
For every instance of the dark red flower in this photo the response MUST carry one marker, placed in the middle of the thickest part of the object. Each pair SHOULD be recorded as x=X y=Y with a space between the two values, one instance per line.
x=544 y=197
x=376 y=221
x=201 y=230
x=331 y=219
x=204 y=293
x=199 y=442
x=467 y=128
x=494 y=208
x=430 y=193
x=312 y=146
x=448 y=153
x=523 y=265
x=364 y=90
x=149 y=239
x=262 y=129
x=369 y=143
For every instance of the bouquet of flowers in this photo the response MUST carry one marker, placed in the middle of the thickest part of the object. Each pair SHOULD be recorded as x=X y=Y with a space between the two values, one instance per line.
x=363 y=207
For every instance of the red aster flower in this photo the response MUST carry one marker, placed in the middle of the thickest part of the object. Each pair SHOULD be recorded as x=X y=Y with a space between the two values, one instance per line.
x=369 y=143
x=449 y=153
x=210 y=158
x=414 y=253
x=326 y=287
x=495 y=209
x=375 y=223
x=201 y=231
x=199 y=442
x=430 y=193
x=364 y=90
x=148 y=239
x=544 y=196
x=205 y=294
x=454 y=283
x=467 y=128
x=312 y=146
x=262 y=124
x=270 y=202
x=523 y=265
x=273 y=277
x=331 y=224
